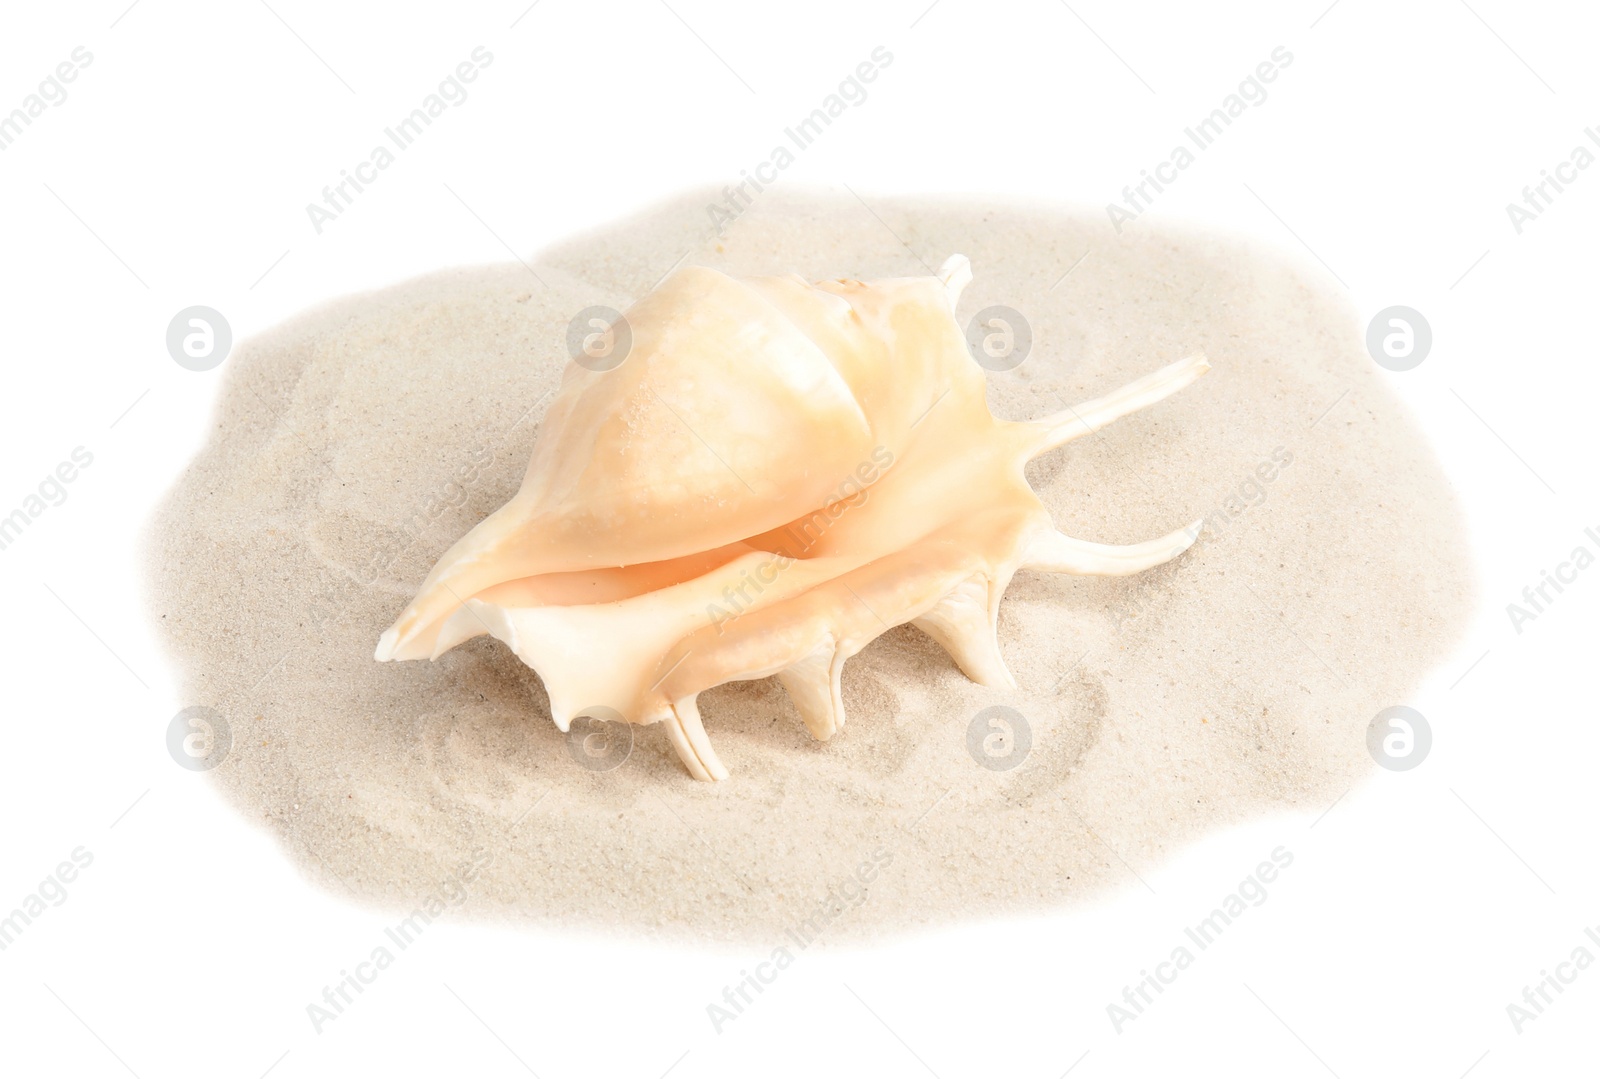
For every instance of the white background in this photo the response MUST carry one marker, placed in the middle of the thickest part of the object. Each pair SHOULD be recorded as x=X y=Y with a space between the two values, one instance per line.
x=177 y=173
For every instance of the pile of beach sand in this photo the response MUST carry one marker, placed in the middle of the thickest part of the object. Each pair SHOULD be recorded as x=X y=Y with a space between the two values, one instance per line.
x=356 y=443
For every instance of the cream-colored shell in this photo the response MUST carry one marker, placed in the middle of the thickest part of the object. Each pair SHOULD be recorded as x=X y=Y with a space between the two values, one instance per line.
x=776 y=473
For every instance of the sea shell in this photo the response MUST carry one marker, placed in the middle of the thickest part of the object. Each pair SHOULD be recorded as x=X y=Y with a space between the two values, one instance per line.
x=775 y=474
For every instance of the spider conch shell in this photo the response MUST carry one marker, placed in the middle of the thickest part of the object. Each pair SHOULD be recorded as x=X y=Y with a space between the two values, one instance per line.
x=775 y=474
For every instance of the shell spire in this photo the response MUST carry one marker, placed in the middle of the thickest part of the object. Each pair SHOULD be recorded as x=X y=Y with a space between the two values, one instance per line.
x=777 y=473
